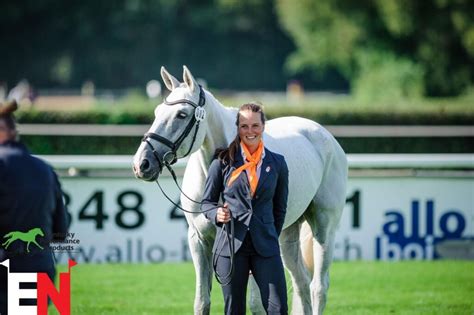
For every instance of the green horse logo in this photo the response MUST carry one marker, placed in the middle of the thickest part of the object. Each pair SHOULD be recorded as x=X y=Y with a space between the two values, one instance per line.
x=28 y=237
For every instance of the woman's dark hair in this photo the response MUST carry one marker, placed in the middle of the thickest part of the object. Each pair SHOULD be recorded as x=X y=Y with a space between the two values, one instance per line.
x=227 y=155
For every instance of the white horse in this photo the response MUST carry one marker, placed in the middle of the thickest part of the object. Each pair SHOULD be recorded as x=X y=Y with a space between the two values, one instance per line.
x=317 y=184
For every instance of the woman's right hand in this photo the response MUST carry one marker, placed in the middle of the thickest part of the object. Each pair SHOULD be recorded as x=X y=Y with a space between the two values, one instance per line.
x=223 y=214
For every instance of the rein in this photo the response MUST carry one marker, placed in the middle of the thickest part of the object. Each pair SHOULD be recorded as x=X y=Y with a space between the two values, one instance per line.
x=227 y=230
x=170 y=157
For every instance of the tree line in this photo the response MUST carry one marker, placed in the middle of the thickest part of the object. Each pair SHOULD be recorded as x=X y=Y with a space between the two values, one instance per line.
x=403 y=48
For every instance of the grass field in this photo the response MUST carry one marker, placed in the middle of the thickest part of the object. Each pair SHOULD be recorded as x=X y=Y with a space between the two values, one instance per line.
x=441 y=287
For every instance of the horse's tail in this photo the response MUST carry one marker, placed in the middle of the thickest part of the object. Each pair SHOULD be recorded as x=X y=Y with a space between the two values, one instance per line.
x=306 y=245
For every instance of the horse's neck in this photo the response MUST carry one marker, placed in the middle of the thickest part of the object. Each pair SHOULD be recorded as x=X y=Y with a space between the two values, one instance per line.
x=220 y=127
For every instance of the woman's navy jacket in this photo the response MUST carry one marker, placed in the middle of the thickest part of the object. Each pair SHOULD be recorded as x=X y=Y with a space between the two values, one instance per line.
x=262 y=216
x=30 y=197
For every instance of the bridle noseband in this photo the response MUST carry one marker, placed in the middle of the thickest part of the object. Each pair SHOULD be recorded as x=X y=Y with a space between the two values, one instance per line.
x=170 y=157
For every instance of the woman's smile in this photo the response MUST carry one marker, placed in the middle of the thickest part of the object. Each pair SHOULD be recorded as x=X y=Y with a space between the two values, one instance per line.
x=250 y=129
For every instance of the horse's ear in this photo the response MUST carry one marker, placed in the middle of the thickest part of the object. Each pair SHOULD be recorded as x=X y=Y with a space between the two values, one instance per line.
x=170 y=81
x=189 y=79
x=8 y=108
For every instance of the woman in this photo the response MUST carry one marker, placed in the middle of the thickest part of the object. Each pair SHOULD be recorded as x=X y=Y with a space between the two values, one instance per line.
x=253 y=183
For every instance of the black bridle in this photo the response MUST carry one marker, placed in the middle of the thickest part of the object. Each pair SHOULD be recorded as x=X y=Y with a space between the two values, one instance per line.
x=170 y=157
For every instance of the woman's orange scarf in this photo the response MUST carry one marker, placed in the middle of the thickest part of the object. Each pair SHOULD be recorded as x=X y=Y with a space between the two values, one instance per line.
x=253 y=160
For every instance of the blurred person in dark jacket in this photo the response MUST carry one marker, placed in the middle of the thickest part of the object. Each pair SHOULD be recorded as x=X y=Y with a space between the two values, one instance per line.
x=31 y=207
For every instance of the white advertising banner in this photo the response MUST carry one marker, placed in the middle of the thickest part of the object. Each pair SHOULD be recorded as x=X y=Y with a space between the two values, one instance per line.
x=125 y=220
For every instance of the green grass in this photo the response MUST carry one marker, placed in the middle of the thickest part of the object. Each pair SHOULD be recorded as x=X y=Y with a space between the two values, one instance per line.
x=441 y=287
x=444 y=287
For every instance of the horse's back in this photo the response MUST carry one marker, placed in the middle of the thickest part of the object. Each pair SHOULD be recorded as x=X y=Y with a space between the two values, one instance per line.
x=312 y=155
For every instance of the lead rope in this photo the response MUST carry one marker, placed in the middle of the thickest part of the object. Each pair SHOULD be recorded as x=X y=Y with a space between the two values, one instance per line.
x=226 y=231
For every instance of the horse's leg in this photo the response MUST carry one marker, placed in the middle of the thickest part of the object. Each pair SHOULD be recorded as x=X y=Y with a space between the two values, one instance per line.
x=9 y=241
x=28 y=246
x=323 y=224
x=293 y=260
x=200 y=245
x=34 y=242
x=201 y=233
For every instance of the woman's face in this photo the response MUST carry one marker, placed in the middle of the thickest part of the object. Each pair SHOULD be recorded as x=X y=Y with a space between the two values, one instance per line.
x=6 y=133
x=250 y=128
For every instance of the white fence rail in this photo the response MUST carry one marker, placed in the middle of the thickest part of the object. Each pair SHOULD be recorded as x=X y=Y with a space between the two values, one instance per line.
x=372 y=161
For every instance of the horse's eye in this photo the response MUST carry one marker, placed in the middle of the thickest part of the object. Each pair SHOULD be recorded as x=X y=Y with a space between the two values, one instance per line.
x=182 y=115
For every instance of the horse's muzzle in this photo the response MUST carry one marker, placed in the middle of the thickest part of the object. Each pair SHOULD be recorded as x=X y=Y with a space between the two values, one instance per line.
x=146 y=170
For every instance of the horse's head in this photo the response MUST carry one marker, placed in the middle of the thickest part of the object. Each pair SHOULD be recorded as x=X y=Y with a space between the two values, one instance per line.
x=38 y=231
x=178 y=129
